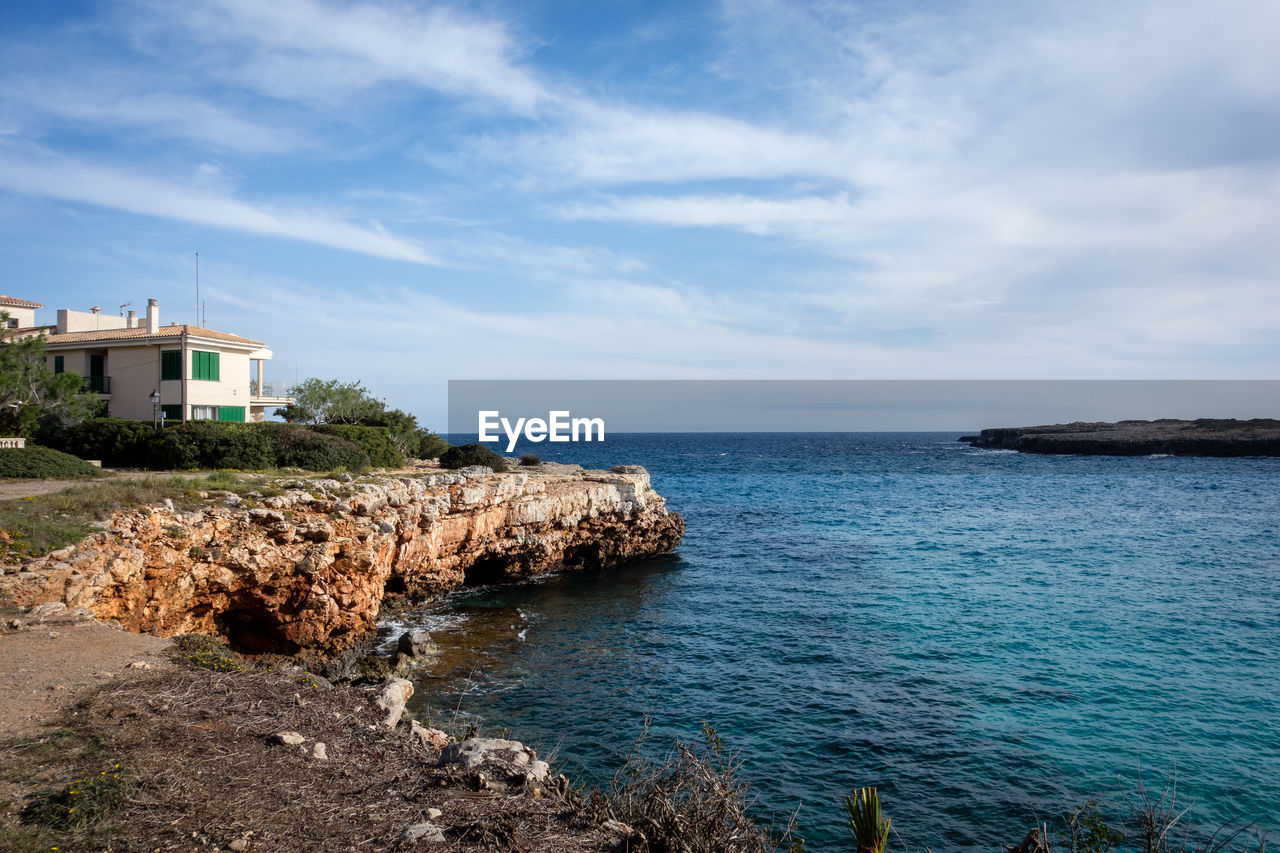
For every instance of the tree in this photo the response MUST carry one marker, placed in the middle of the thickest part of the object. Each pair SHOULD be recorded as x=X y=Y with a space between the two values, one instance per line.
x=31 y=392
x=321 y=401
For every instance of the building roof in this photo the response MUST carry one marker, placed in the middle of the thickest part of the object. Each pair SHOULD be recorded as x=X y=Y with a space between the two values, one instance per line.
x=141 y=335
x=15 y=302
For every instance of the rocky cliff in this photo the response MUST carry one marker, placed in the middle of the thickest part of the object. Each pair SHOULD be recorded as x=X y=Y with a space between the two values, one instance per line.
x=1205 y=437
x=308 y=570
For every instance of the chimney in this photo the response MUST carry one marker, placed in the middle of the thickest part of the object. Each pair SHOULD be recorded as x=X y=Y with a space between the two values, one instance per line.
x=153 y=317
x=131 y=322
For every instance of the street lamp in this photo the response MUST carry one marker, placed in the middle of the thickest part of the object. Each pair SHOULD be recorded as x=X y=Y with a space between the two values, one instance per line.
x=155 y=409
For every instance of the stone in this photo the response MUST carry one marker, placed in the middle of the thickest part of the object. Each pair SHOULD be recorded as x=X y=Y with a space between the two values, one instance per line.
x=433 y=814
x=432 y=738
x=15 y=624
x=313 y=583
x=425 y=831
x=50 y=608
x=417 y=643
x=392 y=698
x=139 y=664
x=288 y=738
x=320 y=751
x=507 y=763
x=239 y=844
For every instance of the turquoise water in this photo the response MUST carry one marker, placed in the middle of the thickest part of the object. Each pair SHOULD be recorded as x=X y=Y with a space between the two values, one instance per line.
x=989 y=637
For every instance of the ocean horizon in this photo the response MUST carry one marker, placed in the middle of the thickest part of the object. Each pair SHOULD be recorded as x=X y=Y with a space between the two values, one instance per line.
x=990 y=638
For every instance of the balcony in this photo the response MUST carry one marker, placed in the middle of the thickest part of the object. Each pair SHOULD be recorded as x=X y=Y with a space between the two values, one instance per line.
x=98 y=384
x=269 y=394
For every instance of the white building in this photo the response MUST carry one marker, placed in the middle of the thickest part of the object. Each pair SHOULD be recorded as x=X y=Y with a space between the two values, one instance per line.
x=194 y=373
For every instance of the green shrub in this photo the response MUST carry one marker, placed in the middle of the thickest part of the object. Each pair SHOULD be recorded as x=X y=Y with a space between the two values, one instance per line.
x=870 y=830
x=530 y=459
x=427 y=445
x=118 y=442
x=298 y=446
x=80 y=803
x=472 y=454
x=376 y=441
x=204 y=652
x=37 y=462
x=213 y=444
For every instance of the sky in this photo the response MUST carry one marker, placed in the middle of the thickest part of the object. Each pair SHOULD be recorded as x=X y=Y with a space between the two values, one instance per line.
x=406 y=193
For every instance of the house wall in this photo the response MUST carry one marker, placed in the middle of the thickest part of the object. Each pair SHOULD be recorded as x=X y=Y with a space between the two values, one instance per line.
x=135 y=373
x=25 y=317
x=87 y=321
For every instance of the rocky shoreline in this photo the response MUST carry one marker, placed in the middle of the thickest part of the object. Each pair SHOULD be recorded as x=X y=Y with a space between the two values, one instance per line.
x=306 y=570
x=1204 y=437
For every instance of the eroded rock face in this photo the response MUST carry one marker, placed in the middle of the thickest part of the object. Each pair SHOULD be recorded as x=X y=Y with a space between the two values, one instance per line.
x=310 y=570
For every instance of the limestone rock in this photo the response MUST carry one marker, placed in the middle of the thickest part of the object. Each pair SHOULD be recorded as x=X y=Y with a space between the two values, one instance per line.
x=507 y=763
x=425 y=831
x=288 y=738
x=392 y=698
x=432 y=738
x=314 y=581
x=416 y=643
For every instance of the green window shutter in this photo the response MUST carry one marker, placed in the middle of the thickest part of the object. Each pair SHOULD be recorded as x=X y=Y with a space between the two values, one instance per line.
x=171 y=364
x=172 y=412
x=59 y=363
x=231 y=413
x=204 y=365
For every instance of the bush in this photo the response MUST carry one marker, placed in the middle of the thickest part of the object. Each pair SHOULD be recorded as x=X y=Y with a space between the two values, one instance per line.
x=472 y=454
x=691 y=801
x=213 y=444
x=427 y=445
x=37 y=462
x=376 y=441
x=118 y=442
x=530 y=459
x=301 y=447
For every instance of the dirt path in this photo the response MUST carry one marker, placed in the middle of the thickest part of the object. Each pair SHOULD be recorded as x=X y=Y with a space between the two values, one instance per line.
x=46 y=664
x=24 y=488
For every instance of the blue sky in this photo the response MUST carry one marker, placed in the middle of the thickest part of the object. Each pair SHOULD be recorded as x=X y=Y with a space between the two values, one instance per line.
x=405 y=193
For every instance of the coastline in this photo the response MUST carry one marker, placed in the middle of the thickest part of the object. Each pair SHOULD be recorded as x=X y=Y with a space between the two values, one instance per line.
x=1202 y=437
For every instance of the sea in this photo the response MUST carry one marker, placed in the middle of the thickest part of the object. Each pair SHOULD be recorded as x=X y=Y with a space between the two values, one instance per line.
x=989 y=638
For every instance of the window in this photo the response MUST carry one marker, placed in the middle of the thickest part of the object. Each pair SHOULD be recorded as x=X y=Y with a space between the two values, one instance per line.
x=204 y=413
x=13 y=323
x=171 y=364
x=204 y=365
x=172 y=411
x=231 y=413
x=59 y=363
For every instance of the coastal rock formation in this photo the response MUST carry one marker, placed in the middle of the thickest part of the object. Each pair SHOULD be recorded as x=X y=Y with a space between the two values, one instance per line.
x=308 y=570
x=1205 y=437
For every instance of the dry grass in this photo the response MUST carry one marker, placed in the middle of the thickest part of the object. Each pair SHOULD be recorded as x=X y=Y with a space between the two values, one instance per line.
x=200 y=772
x=32 y=526
x=693 y=800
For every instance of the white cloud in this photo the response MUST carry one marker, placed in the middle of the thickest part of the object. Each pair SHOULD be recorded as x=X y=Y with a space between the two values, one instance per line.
x=71 y=180
x=166 y=115
x=308 y=48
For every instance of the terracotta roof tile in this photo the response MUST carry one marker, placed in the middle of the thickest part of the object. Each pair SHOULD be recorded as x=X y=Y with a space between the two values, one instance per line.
x=15 y=302
x=165 y=333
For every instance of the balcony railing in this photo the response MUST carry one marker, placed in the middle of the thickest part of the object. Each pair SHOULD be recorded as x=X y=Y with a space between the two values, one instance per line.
x=99 y=384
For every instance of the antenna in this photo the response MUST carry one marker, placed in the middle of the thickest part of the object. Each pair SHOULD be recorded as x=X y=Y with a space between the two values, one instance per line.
x=124 y=306
x=197 y=288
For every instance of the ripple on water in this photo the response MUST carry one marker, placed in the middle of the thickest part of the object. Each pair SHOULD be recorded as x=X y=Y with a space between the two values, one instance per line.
x=990 y=637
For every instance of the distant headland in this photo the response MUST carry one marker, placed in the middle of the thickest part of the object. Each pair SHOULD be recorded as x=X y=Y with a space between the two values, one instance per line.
x=1203 y=437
